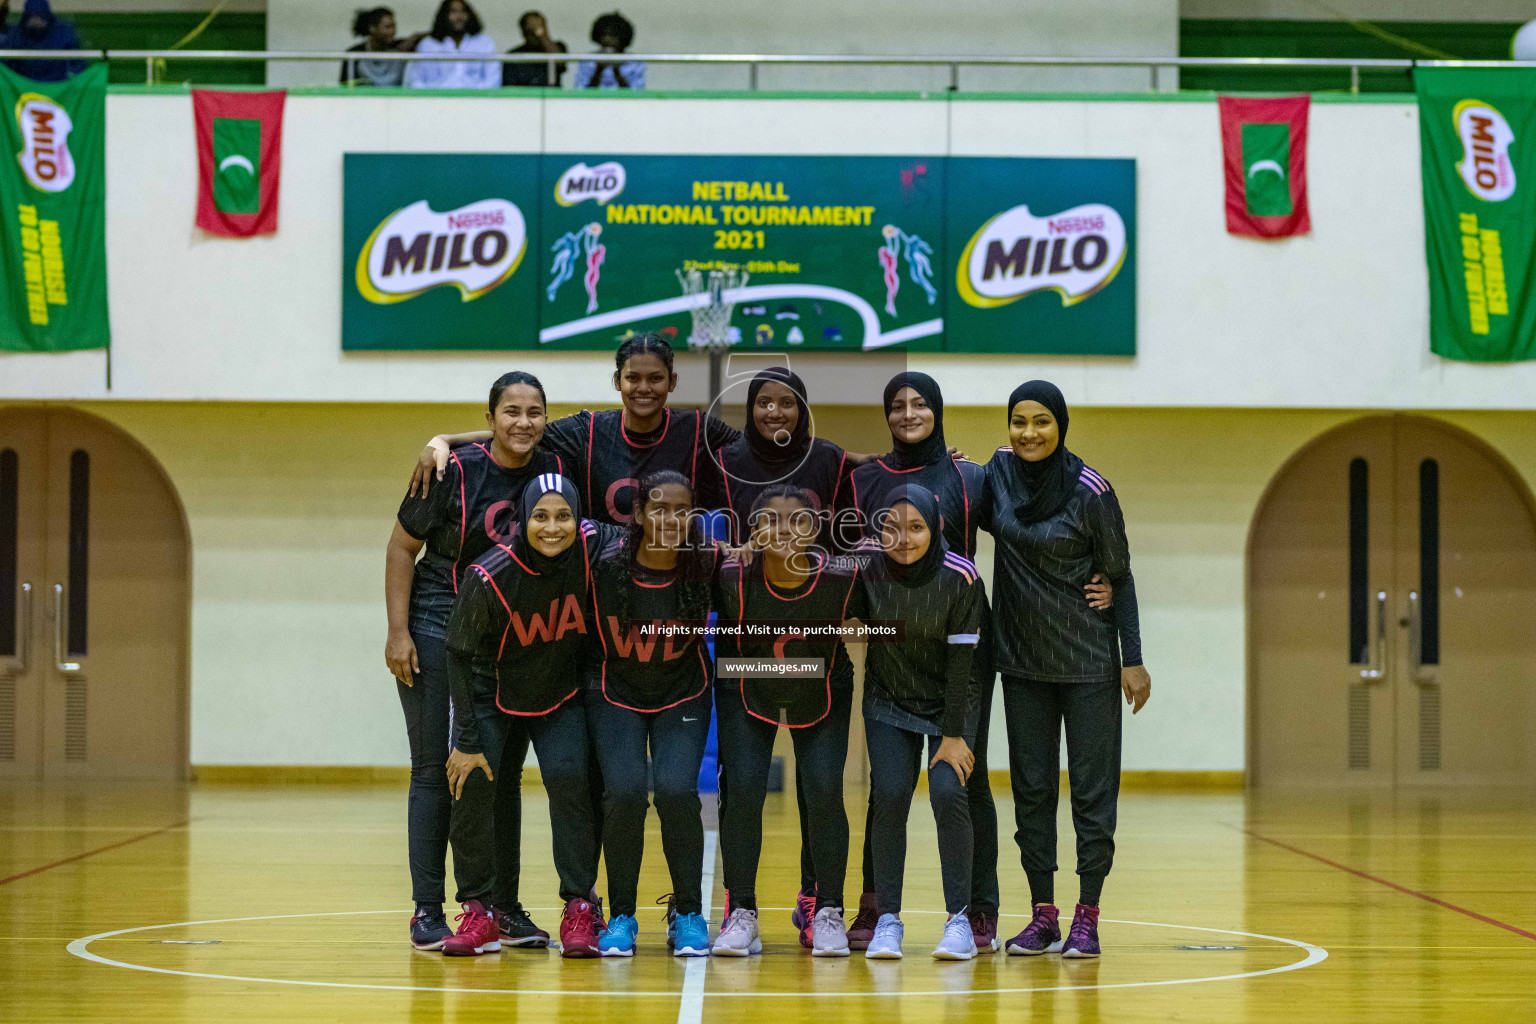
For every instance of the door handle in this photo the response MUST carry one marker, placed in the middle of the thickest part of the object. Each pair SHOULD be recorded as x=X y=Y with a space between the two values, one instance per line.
x=1423 y=675
x=68 y=668
x=24 y=638
x=1374 y=671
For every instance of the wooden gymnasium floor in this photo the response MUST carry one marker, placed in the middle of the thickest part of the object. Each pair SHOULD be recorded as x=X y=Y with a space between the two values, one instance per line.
x=286 y=904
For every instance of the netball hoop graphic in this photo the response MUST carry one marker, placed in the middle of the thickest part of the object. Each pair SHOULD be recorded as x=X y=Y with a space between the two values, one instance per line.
x=711 y=312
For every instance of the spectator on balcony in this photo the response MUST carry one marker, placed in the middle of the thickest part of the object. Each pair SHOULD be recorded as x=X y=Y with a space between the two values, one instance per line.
x=535 y=40
x=455 y=29
x=40 y=29
x=612 y=33
x=377 y=27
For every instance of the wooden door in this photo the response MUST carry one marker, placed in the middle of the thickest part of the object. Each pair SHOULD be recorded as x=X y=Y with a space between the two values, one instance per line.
x=1392 y=591
x=101 y=548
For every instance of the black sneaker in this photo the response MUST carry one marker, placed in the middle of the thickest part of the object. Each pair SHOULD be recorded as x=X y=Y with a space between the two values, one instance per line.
x=518 y=929
x=429 y=928
x=670 y=902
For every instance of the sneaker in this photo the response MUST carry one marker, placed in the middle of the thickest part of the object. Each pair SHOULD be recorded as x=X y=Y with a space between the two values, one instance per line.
x=958 y=943
x=739 y=936
x=885 y=944
x=1041 y=935
x=690 y=935
x=671 y=904
x=984 y=930
x=429 y=928
x=1083 y=939
x=803 y=915
x=598 y=920
x=725 y=913
x=618 y=939
x=829 y=935
x=517 y=929
x=477 y=932
x=578 y=931
x=863 y=927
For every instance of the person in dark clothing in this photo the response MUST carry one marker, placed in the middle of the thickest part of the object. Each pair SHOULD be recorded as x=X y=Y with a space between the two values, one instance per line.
x=377 y=28
x=39 y=28
x=792 y=582
x=524 y=609
x=535 y=40
x=650 y=704
x=456 y=523
x=921 y=687
x=1063 y=663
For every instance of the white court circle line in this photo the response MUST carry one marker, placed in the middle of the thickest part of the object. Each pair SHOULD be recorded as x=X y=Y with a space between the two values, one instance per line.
x=1315 y=955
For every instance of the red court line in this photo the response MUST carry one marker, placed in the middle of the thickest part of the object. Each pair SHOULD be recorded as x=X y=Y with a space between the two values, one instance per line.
x=92 y=853
x=1393 y=885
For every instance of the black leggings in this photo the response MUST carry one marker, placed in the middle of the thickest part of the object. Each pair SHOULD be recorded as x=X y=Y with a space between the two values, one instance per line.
x=487 y=818
x=746 y=753
x=671 y=742
x=895 y=760
x=429 y=805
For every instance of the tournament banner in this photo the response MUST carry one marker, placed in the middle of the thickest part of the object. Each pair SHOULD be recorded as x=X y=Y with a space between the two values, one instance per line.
x=53 y=212
x=239 y=160
x=1477 y=129
x=839 y=253
x=1264 y=160
x=434 y=249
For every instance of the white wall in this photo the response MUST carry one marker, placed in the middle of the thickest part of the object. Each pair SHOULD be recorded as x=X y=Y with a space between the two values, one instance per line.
x=1335 y=319
x=885 y=27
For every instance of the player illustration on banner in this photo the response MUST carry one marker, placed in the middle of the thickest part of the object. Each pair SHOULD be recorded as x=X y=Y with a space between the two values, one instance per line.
x=900 y=245
x=570 y=246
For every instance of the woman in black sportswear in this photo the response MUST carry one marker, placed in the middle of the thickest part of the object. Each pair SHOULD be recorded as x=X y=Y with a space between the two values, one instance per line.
x=524 y=615
x=789 y=581
x=1063 y=663
x=650 y=703
x=920 y=688
x=457 y=522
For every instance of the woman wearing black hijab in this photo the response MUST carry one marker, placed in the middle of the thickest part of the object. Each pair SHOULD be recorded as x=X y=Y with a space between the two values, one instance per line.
x=524 y=610
x=921 y=688
x=1055 y=520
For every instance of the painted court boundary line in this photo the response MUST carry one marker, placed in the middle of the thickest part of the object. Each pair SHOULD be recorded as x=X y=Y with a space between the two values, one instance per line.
x=692 y=1009
x=91 y=853
x=1426 y=897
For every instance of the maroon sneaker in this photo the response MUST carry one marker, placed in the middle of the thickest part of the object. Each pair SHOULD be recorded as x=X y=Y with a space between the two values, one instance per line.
x=862 y=930
x=802 y=916
x=983 y=930
x=477 y=932
x=578 y=931
x=1041 y=935
x=1083 y=939
x=518 y=930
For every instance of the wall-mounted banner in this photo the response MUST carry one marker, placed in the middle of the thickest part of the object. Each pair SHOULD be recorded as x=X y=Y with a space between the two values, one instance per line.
x=53 y=248
x=839 y=253
x=1477 y=132
x=434 y=251
x=1264 y=162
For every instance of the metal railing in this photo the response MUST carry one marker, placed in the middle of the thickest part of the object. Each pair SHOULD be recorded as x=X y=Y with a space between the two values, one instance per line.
x=753 y=61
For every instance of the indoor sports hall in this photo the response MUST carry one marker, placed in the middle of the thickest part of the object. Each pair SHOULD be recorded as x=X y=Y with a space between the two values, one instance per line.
x=871 y=511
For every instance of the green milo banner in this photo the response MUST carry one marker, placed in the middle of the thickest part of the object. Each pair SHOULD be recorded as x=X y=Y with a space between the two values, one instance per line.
x=53 y=213
x=1477 y=129
x=835 y=253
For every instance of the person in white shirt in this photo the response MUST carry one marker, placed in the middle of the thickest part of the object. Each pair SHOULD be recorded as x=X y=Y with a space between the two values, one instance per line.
x=455 y=29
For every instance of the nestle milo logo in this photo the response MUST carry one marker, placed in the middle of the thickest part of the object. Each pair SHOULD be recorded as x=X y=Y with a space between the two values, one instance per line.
x=1485 y=167
x=1075 y=252
x=580 y=182
x=44 y=156
x=474 y=248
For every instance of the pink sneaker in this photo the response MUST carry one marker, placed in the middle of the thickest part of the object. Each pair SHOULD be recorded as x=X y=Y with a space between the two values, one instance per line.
x=477 y=932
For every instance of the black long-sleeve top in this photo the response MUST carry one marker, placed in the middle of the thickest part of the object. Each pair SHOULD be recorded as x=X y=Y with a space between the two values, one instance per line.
x=957 y=483
x=1044 y=627
x=928 y=674
x=823 y=474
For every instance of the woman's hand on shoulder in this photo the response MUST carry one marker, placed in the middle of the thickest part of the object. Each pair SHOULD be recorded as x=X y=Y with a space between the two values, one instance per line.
x=430 y=465
x=1136 y=683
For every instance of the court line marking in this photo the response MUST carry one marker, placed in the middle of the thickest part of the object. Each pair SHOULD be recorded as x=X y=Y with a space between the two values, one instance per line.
x=1426 y=897
x=1315 y=955
x=692 y=1009
x=92 y=853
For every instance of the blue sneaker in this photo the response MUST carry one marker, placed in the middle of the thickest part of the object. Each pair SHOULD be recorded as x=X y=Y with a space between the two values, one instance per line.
x=618 y=939
x=690 y=935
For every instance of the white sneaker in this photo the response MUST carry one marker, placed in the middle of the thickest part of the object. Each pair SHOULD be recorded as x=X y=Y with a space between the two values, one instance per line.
x=829 y=935
x=958 y=943
x=738 y=936
x=886 y=943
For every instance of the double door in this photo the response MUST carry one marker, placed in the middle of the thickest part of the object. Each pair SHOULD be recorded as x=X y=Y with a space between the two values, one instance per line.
x=1392 y=614
x=93 y=603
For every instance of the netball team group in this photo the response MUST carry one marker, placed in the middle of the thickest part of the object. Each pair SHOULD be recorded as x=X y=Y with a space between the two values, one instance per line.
x=568 y=566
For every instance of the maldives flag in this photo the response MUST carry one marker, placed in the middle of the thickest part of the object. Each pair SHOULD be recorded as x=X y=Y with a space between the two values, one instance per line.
x=1264 y=151
x=239 y=158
